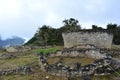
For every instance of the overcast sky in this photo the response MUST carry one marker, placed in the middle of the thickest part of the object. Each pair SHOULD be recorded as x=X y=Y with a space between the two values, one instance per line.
x=23 y=17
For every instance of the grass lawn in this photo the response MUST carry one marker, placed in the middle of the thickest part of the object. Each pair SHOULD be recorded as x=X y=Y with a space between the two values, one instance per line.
x=2 y=52
x=40 y=75
x=48 y=50
x=71 y=61
x=16 y=62
x=115 y=47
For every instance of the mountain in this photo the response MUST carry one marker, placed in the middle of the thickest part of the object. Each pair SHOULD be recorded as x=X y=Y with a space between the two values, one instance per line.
x=15 y=40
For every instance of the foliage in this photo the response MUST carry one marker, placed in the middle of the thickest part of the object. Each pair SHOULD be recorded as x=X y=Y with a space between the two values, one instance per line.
x=47 y=35
x=33 y=40
x=115 y=29
x=48 y=50
x=71 y=25
x=95 y=27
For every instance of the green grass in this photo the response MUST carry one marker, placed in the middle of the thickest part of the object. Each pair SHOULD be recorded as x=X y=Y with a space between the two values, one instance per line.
x=2 y=52
x=48 y=50
x=71 y=61
x=40 y=75
x=16 y=62
x=115 y=47
x=104 y=77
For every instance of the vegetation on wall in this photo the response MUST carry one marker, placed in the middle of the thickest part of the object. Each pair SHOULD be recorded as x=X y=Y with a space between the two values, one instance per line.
x=114 y=29
x=47 y=35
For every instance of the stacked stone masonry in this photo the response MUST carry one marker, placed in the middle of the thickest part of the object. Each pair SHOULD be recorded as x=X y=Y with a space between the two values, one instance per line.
x=101 y=66
x=101 y=39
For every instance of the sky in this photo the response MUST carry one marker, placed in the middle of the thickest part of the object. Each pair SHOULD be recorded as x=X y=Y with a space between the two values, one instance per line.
x=23 y=17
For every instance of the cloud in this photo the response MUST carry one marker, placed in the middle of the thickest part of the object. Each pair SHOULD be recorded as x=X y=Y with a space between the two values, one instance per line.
x=9 y=8
x=43 y=10
x=22 y=17
x=51 y=17
x=95 y=6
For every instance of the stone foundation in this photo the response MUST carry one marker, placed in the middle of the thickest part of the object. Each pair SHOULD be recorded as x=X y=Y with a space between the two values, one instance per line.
x=101 y=66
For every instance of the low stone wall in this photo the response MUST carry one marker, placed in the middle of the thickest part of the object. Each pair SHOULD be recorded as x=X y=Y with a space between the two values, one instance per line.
x=101 y=66
x=7 y=56
x=63 y=70
x=22 y=69
x=90 y=53
x=12 y=55
x=113 y=53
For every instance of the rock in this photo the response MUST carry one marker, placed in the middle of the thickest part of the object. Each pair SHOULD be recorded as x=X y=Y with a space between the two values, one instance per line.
x=11 y=49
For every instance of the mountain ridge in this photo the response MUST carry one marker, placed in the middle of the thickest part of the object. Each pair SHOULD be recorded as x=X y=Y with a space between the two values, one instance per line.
x=15 y=40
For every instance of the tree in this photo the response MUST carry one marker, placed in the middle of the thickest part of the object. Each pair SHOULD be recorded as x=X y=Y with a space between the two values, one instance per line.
x=47 y=35
x=115 y=31
x=43 y=34
x=71 y=25
x=111 y=26
x=95 y=27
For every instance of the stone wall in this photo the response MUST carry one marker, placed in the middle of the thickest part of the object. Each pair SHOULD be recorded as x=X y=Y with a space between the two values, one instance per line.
x=99 y=39
x=88 y=53
x=24 y=69
x=64 y=70
x=101 y=66
x=13 y=49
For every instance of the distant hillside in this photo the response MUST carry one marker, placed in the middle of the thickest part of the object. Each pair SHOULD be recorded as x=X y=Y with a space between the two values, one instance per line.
x=12 y=41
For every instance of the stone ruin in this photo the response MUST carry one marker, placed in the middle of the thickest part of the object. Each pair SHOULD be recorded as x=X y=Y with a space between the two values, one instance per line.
x=14 y=52
x=14 y=49
x=100 y=38
x=103 y=65
x=77 y=70
x=22 y=69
